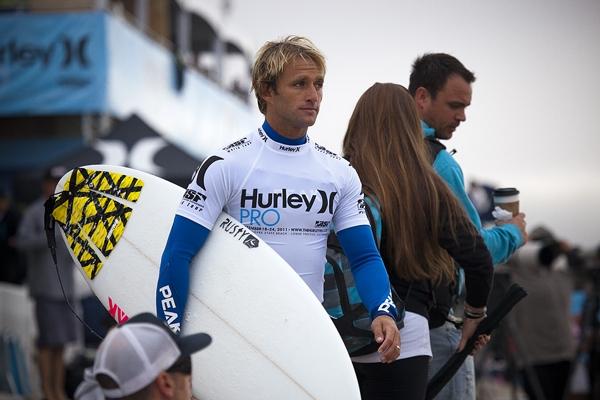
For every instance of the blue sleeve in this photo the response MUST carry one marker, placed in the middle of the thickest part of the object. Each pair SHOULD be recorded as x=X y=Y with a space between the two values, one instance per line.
x=185 y=240
x=501 y=241
x=370 y=275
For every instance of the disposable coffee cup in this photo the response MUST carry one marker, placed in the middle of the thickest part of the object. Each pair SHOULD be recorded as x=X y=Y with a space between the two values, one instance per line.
x=507 y=199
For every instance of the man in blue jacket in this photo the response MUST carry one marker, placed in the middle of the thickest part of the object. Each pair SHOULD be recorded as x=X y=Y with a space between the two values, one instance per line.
x=441 y=87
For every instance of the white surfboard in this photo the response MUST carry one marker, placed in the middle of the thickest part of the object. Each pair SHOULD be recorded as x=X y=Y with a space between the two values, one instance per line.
x=272 y=339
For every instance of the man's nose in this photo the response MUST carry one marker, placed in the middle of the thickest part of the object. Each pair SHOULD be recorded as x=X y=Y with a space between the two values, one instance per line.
x=461 y=116
x=313 y=94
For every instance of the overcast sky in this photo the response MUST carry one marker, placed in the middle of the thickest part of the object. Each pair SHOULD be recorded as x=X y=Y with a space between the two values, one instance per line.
x=533 y=122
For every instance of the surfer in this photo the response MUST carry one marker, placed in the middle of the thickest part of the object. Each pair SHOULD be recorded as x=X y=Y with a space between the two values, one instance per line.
x=287 y=189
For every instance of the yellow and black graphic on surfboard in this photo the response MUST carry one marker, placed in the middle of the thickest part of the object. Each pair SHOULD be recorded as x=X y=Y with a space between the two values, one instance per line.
x=85 y=215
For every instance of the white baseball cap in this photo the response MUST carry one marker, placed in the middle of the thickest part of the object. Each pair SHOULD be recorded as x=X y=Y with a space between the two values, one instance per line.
x=134 y=354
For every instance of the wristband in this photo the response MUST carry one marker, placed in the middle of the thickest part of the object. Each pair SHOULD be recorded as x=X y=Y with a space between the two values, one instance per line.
x=472 y=315
x=399 y=319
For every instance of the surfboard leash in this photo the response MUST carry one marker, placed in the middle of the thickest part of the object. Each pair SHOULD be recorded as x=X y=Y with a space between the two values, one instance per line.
x=49 y=224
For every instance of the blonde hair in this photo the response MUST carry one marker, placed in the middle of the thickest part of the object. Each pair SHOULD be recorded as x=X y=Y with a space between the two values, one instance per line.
x=385 y=144
x=272 y=58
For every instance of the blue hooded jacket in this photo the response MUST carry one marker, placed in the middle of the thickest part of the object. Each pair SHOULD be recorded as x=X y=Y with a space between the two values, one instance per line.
x=501 y=241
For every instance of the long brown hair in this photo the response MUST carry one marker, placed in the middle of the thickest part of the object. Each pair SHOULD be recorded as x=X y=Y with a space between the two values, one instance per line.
x=385 y=144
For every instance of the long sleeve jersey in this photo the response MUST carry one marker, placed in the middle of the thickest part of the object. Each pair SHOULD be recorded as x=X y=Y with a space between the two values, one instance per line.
x=288 y=193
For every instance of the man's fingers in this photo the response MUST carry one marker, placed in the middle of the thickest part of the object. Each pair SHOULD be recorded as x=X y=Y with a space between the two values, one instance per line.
x=388 y=340
x=390 y=343
x=482 y=340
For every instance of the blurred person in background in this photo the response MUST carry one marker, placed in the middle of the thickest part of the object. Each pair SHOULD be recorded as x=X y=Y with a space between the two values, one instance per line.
x=56 y=324
x=585 y=307
x=594 y=325
x=545 y=343
x=11 y=268
x=441 y=87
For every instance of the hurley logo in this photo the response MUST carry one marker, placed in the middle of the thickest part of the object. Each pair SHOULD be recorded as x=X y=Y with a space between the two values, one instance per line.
x=284 y=199
x=289 y=148
x=67 y=50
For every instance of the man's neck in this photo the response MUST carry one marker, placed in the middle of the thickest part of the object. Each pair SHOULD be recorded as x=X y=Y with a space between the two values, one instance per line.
x=280 y=138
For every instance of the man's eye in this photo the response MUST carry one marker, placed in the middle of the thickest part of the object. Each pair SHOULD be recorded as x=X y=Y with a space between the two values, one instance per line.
x=319 y=85
x=299 y=84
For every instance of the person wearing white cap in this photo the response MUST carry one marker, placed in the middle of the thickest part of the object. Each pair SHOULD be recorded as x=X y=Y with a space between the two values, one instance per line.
x=142 y=359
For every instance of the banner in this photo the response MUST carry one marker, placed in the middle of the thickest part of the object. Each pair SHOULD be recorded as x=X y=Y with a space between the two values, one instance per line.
x=52 y=63
x=197 y=115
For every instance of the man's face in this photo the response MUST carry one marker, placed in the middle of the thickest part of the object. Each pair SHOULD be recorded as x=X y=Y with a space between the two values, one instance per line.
x=294 y=105
x=447 y=110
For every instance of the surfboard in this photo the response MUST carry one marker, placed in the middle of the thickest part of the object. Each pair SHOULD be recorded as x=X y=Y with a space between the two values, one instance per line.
x=272 y=339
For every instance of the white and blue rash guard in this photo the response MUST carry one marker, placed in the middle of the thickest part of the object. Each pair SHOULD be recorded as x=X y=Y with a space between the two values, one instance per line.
x=288 y=192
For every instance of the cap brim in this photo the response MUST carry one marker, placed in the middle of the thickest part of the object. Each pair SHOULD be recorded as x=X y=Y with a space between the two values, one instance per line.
x=190 y=344
x=144 y=317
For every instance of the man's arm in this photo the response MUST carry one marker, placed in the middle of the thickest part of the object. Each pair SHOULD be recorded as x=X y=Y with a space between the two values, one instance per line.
x=371 y=277
x=30 y=234
x=373 y=286
x=503 y=240
x=185 y=240
x=199 y=209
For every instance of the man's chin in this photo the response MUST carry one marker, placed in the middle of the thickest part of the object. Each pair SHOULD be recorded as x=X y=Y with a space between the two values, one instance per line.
x=444 y=135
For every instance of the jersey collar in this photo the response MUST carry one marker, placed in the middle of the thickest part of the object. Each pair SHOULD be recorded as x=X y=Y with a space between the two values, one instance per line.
x=280 y=143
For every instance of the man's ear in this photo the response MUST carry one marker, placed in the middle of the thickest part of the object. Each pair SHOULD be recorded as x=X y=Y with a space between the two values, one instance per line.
x=267 y=90
x=165 y=385
x=422 y=98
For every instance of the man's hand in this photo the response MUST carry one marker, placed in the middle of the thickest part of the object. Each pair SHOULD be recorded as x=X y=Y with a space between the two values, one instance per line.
x=387 y=335
x=519 y=221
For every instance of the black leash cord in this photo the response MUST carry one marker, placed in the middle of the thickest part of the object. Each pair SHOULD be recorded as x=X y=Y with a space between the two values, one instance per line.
x=49 y=224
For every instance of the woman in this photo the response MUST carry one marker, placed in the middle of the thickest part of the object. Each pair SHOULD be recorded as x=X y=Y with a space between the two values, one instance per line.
x=424 y=228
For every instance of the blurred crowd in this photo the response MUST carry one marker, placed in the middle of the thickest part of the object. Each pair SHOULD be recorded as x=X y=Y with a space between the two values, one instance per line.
x=548 y=346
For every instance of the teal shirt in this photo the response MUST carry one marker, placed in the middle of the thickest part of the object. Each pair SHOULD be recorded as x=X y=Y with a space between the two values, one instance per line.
x=501 y=241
